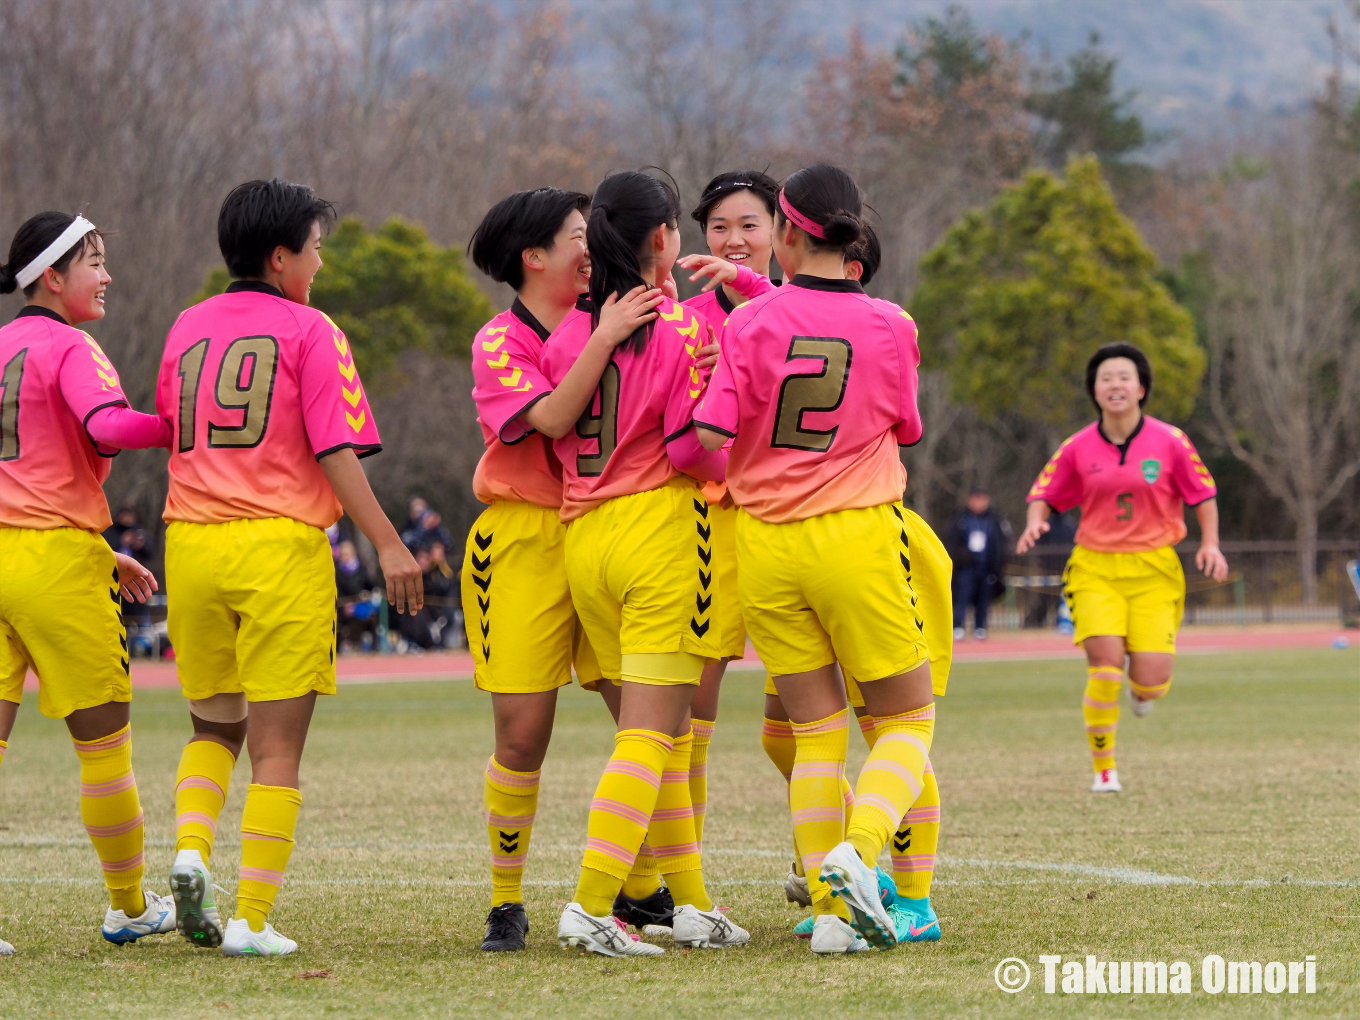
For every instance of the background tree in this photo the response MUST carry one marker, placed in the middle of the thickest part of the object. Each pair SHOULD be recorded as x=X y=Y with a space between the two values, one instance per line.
x=1081 y=112
x=1019 y=294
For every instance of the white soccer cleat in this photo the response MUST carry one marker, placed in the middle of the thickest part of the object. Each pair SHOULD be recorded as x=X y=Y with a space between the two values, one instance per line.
x=5 y=948
x=706 y=929
x=195 y=906
x=156 y=918
x=833 y=937
x=796 y=889
x=857 y=886
x=239 y=940
x=1106 y=781
x=601 y=935
x=1141 y=706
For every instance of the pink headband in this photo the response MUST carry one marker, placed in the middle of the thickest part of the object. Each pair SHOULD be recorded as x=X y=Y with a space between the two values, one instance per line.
x=799 y=220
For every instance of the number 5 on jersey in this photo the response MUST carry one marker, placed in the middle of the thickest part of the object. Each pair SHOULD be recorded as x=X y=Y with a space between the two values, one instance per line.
x=244 y=383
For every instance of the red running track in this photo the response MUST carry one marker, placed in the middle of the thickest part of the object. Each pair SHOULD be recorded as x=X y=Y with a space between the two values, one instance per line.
x=360 y=669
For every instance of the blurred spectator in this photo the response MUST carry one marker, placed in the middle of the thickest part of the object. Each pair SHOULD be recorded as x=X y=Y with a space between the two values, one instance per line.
x=976 y=540
x=335 y=535
x=410 y=534
x=438 y=624
x=125 y=518
x=427 y=531
x=356 y=616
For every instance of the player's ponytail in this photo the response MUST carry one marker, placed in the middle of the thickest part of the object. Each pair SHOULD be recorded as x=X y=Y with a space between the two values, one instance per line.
x=32 y=239
x=826 y=204
x=624 y=211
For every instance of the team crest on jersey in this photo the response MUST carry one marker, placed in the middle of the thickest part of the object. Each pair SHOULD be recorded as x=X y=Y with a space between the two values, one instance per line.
x=1152 y=470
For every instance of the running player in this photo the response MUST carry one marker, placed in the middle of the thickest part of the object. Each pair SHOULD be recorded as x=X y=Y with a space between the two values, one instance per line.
x=822 y=545
x=270 y=421
x=515 y=593
x=639 y=559
x=1132 y=477
x=63 y=416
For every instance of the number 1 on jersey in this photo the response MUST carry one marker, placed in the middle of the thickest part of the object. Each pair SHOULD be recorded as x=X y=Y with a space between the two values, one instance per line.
x=245 y=382
x=9 y=406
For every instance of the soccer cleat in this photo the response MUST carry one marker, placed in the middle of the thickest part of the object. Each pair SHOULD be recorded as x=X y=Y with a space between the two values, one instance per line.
x=195 y=906
x=1141 y=706
x=887 y=887
x=506 y=927
x=602 y=935
x=833 y=937
x=157 y=918
x=239 y=940
x=857 y=886
x=5 y=948
x=796 y=889
x=803 y=929
x=1106 y=781
x=915 y=920
x=657 y=909
x=706 y=929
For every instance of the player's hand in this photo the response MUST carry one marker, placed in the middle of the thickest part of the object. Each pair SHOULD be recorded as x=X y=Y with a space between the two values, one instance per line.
x=405 y=583
x=135 y=582
x=1211 y=561
x=707 y=355
x=620 y=317
x=718 y=270
x=669 y=288
x=727 y=502
x=1029 y=536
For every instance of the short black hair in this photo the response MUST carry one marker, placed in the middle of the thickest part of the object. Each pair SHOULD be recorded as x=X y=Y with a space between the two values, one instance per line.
x=1120 y=350
x=258 y=216
x=32 y=239
x=762 y=185
x=527 y=219
x=867 y=252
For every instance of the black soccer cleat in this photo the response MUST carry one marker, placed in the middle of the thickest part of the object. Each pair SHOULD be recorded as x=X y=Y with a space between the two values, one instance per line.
x=658 y=908
x=506 y=927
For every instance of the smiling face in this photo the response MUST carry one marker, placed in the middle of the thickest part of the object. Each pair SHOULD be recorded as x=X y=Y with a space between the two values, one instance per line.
x=740 y=229
x=566 y=264
x=79 y=289
x=1118 y=390
x=296 y=270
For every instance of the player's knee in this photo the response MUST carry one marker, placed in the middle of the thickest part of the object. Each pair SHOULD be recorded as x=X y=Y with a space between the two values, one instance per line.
x=1149 y=688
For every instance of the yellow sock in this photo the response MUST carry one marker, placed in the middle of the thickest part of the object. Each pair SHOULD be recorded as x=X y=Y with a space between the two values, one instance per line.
x=698 y=774
x=112 y=813
x=776 y=737
x=645 y=878
x=267 y=826
x=891 y=780
x=815 y=798
x=672 y=830
x=619 y=814
x=914 y=842
x=200 y=791
x=511 y=800
x=1100 y=709
x=866 y=729
x=4 y=746
x=1149 y=693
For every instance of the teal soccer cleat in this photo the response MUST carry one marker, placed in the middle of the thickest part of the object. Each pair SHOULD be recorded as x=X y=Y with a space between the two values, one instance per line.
x=915 y=920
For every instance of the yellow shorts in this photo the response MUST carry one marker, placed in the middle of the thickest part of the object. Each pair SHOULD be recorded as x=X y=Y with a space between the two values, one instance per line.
x=1137 y=596
x=731 y=627
x=60 y=615
x=641 y=575
x=251 y=608
x=521 y=625
x=836 y=587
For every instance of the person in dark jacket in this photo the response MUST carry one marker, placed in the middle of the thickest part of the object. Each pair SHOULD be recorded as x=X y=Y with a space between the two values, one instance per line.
x=976 y=539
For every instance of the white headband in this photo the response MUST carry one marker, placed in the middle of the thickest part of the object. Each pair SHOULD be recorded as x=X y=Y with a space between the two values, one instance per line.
x=79 y=227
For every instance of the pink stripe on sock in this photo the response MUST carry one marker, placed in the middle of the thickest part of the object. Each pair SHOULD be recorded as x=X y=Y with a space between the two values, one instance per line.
x=804 y=816
x=702 y=728
x=813 y=861
x=274 y=878
x=921 y=815
x=619 y=809
x=1090 y=702
x=509 y=821
x=920 y=862
x=898 y=737
x=623 y=767
x=675 y=776
x=608 y=849
x=816 y=769
x=264 y=836
x=1102 y=729
x=196 y=818
x=828 y=725
x=875 y=800
x=118 y=867
x=509 y=863
x=675 y=850
x=103 y=743
x=775 y=728
x=121 y=829
x=916 y=715
x=672 y=814
x=497 y=773
x=700 y=770
x=114 y=786
x=200 y=783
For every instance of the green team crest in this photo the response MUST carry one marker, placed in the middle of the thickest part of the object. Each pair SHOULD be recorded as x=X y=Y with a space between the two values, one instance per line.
x=1152 y=469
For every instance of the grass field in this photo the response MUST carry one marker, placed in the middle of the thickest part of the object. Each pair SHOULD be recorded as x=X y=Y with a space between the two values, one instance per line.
x=1237 y=834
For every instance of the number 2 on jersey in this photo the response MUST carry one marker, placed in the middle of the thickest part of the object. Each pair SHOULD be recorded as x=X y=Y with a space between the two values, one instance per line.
x=822 y=391
x=603 y=427
x=9 y=406
x=245 y=382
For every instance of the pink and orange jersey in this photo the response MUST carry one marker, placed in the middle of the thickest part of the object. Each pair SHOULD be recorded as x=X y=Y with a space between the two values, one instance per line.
x=644 y=401
x=53 y=377
x=715 y=306
x=1132 y=497
x=817 y=382
x=519 y=464
x=259 y=388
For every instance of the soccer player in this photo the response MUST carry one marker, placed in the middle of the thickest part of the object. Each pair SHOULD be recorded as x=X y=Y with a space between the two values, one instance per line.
x=639 y=560
x=816 y=386
x=270 y=420
x=1132 y=477
x=522 y=628
x=63 y=416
